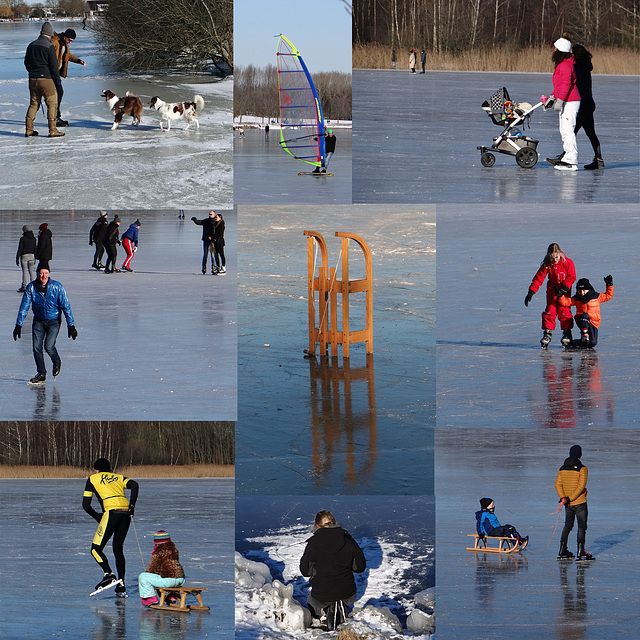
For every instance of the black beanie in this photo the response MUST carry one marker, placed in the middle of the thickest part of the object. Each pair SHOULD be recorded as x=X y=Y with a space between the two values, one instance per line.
x=102 y=464
x=70 y=33
x=575 y=451
x=485 y=502
x=43 y=264
x=583 y=283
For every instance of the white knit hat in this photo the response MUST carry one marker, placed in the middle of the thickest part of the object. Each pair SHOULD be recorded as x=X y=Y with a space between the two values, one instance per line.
x=562 y=44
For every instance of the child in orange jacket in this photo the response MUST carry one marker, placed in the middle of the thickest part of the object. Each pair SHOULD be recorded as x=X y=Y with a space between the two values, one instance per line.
x=587 y=303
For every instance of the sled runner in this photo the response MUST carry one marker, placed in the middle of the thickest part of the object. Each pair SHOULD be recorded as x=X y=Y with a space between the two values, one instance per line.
x=501 y=545
x=181 y=605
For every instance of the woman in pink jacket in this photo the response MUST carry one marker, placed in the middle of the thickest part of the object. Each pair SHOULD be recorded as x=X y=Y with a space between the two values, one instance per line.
x=561 y=274
x=567 y=103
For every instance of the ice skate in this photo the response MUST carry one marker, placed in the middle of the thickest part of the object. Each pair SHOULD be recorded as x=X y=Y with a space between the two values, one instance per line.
x=565 y=166
x=564 y=553
x=583 y=555
x=56 y=368
x=554 y=161
x=584 y=338
x=39 y=378
x=546 y=338
x=121 y=591
x=566 y=338
x=108 y=581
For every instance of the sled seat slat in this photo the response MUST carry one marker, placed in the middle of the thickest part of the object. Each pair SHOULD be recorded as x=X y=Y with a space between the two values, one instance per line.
x=501 y=544
x=181 y=604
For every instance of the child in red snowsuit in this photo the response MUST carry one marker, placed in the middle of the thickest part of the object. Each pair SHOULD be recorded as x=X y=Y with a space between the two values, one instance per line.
x=587 y=303
x=561 y=274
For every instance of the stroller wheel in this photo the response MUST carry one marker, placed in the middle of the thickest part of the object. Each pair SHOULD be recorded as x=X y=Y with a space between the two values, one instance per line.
x=487 y=159
x=527 y=157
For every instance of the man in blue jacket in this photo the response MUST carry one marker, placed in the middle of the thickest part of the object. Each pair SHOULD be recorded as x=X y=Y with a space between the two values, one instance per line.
x=48 y=299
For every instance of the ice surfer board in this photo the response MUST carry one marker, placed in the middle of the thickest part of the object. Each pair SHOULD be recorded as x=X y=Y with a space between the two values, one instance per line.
x=109 y=586
x=315 y=173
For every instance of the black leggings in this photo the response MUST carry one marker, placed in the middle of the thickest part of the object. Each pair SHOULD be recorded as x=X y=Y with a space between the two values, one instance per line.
x=584 y=121
x=113 y=523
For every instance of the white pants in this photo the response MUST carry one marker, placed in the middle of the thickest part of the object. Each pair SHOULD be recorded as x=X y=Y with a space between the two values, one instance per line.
x=567 y=125
x=147 y=582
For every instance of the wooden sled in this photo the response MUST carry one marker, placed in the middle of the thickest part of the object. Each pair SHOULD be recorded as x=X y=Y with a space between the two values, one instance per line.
x=181 y=605
x=502 y=545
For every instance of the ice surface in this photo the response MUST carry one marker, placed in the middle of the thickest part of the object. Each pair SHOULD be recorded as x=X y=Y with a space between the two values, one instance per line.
x=157 y=344
x=263 y=173
x=395 y=534
x=415 y=139
x=531 y=594
x=305 y=425
x=48 y=572
x=491 y=371
x=93 y=167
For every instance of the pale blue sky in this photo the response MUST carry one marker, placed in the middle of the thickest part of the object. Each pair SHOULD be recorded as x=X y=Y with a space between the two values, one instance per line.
x=320 y=30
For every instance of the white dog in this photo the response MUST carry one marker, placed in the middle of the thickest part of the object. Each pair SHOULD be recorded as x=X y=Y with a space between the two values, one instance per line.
x=175 y=110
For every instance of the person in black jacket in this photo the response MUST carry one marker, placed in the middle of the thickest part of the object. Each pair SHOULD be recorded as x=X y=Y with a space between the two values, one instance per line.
x=44 y=250
x=207 y=240
x=44 y=77
x=96 y=236
x=26 y=257
x=111 y=239
x=218 y=244
x=329 y=560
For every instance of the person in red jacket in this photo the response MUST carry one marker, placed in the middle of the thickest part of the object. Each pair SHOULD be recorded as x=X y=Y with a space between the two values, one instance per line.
x=566 y=101
x=561 y=274
x=587 y=303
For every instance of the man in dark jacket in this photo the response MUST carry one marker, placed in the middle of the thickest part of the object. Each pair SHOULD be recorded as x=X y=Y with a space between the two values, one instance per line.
x=44 y=78
x=44 y=249
x=96 y=236
x=207 y=225
x=111 y=239
x=329 y=560
x=47 y=298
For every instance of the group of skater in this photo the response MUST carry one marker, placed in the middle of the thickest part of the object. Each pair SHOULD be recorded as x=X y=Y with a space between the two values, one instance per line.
x=106 y=237
x=560 y=273
x=117 y=513
x=571 y=487
x=46 y=60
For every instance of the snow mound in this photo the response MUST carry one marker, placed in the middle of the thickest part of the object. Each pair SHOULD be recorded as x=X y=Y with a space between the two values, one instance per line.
x=251 y=574
x=379 y=618
x=420 y=622
x=426 y=599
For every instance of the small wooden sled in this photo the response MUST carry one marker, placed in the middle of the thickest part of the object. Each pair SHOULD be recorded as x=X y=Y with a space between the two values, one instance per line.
x=502 y=545
x=181 y=605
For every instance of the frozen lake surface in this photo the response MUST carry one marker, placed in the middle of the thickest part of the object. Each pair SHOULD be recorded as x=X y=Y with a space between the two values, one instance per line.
x=531 y=594
x=48 y=571
x=266 y=174
x=93 y=167
x=395 y=533
x=415 y=139
x=314 y=425
x=491 y=371
x=144 y=348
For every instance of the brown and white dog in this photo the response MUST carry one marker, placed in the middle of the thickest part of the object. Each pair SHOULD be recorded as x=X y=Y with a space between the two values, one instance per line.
x=130 y=105
x=175 y=110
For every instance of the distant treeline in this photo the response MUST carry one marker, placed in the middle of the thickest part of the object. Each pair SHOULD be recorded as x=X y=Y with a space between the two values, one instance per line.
x=79 y=444
x=460 y=25
x=255 y=92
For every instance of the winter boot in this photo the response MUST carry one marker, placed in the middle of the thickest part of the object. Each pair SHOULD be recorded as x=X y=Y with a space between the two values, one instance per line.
x=61 y=123
x=582 y=554
x=22 y=289
x=564 y=553
x=566 y=338
x=29 y=131
x=56 y=368
x=546 y=338
x=147 y=602
x=39 y=378
x=53 y=132
x=554 y=161
x=316 y=170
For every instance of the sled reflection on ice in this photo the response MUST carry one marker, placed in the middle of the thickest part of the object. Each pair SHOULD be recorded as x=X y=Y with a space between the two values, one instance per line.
x=334 y=417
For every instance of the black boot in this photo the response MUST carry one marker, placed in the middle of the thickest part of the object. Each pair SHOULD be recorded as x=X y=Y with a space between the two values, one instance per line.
x=564 y=553
x=554 y=161
x=597 y=163
x=582 y=554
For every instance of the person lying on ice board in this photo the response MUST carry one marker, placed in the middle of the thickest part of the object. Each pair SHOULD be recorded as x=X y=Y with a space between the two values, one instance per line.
x=587 y=303
x=488 y=525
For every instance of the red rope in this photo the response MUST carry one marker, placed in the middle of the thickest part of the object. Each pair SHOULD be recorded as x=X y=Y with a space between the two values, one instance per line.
x=554 y=529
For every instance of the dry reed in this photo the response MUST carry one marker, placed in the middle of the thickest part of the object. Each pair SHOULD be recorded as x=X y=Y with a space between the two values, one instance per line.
x=142 y=471
x=348 y=634
x=606 y=60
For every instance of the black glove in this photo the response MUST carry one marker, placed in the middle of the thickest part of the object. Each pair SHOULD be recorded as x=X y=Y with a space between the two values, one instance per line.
x=527 y=300
x=608 y=280
x=561 y=290
x=194 y=218
x=91 y=244
x=72 y=331
x=17 y=332
x=132 y=508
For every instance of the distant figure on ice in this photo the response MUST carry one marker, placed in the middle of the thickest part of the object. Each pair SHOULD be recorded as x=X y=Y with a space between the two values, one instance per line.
x=130 y=243
x=44 y=79
x=96 y=236
x=571 y=487
x=44 y=248
x=111 y=240
x=207 y=240
x=61 y=42
x=164 y=569
x=587 y=303
x=114 y=521
x=412 y=60
x=218 y=245
x=329 y=560
x=561 y=274
x=48 y=299
x=423 y=60
x=26 y=257
x=487 y=524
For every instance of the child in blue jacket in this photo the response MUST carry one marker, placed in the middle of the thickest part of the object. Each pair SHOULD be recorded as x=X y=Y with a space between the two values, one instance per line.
x=488 y=525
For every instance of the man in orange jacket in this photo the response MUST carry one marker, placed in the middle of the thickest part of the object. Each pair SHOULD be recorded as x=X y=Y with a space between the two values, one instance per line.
x=571 y=486
x=61 y=42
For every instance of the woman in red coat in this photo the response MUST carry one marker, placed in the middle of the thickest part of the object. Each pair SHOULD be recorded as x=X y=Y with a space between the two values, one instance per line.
x=561 y=274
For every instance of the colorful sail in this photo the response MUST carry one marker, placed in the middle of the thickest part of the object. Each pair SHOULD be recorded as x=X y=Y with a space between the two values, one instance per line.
x=301 y=120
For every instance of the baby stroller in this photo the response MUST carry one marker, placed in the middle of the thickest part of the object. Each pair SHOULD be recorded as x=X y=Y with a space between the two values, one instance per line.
x=504 y=113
